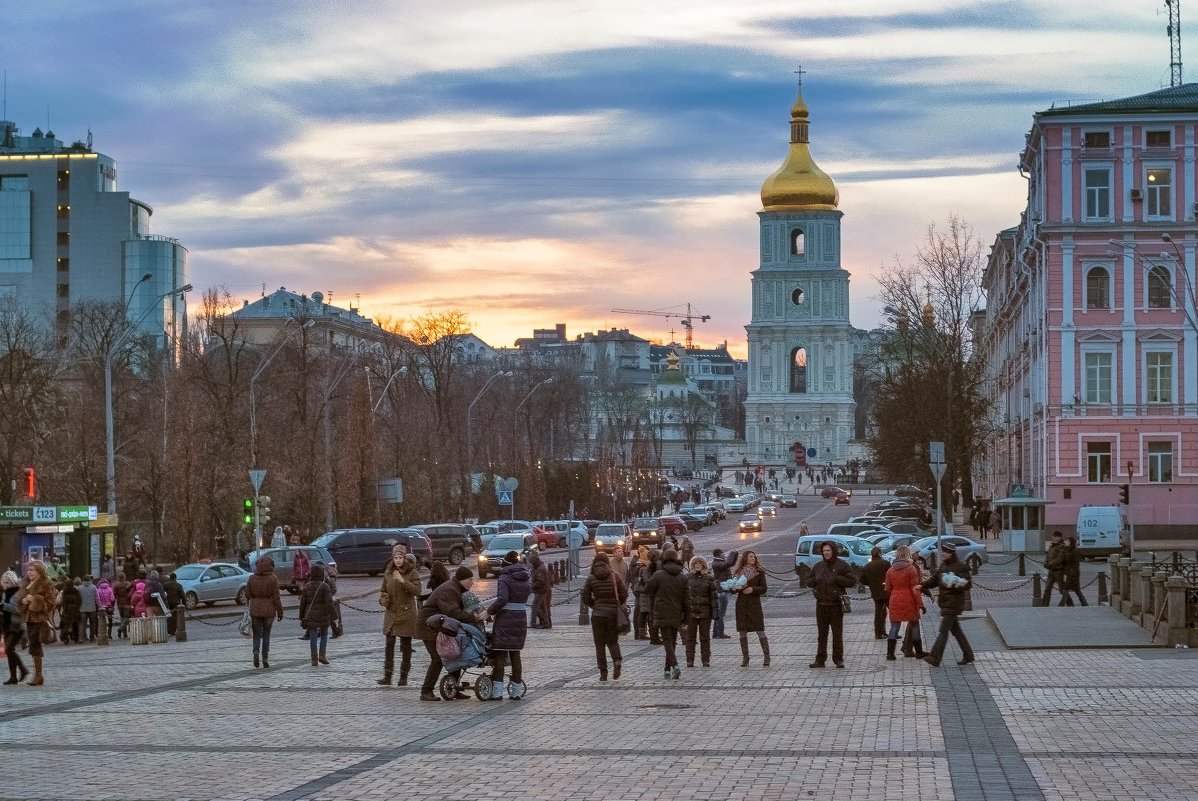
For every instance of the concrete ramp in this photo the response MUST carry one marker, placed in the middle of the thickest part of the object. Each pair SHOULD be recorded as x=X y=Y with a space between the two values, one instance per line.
x=1068 y=627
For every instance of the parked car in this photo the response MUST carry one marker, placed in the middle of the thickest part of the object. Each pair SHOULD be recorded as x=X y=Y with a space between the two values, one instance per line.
x=557 y=528
x=856 y=529
x=207 y=583
x=648 y=526
x=832 y=492
x=693 y=522
x=750 y=522
x=890 y=542
x=504 y=526
x=284 y=559
x=672 y=525
x=903 y=526
x=685 y=507
x=788 y=501
x=485 y=532
x=609 y=535
x=895 y=503
x=491 y=559
x=735 y=505
x=450 y=541
x=366 y=550
x=717 y=511
x=767 y=509
x=853 y=550
x=910 y=491
x=969 y=551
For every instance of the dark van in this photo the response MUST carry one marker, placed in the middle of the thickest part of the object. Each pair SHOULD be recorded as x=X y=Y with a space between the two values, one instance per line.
x=450 y=542
x=366 y=550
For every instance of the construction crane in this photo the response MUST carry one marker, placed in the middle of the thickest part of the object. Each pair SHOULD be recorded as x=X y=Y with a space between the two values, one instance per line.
x=687 y=320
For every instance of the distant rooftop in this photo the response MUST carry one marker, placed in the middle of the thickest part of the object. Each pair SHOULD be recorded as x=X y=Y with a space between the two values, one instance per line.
x=284 y=303
x=12 y=143
x=1173 y=99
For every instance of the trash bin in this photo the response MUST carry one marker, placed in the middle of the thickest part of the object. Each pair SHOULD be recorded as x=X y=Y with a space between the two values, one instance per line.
x=139 y=631
x=157 y=628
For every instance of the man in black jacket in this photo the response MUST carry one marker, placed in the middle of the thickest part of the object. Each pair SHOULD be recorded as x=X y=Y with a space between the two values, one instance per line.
x=720 y=571
x=828 y=581
x=174 y=598
x=874 y=576
x=953 y=579
x=1055 y=563
x=668 y=607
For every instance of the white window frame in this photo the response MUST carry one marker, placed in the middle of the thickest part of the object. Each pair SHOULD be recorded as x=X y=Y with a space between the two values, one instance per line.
x=1156 y=460
x=1096 y=457
x=1148 y=194
x=1086 y=188
x=1167 y=267
x=1110 y=285
x=1167 y=129
x=1110 y=138
x=1109 y=351
x=1153 y=349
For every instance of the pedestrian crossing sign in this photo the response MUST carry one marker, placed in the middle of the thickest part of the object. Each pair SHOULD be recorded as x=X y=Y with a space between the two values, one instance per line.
x=505 y=497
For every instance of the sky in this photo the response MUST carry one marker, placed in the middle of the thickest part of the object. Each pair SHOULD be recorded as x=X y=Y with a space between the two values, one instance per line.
x=548 y=161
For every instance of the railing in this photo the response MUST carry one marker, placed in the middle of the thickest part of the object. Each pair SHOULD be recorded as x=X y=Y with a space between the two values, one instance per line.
x=1159 y=594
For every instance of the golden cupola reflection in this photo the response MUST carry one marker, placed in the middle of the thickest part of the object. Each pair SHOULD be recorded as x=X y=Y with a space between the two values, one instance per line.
x=799 y=183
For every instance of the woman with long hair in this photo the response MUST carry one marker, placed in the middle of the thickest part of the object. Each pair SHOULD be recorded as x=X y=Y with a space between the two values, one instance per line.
x=749 y=617
x=905 y=603
x=399 y=598
x=39 y=596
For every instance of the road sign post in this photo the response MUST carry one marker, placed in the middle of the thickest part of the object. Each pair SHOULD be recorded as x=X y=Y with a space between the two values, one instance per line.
x=937 y=463
x=257 y=476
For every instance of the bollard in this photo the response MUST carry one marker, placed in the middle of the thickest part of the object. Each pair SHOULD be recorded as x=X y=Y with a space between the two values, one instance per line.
x=180 y=623
x=1102 y=593
x=1036 y=599
x=102 y=627
x=1022 y=565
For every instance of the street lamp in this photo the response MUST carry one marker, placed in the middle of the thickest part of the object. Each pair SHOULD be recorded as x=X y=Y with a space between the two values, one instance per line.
x=374 y=405
x=109 y=436
x=470 y=421
x=1188 y=302
x=516 y=416
x=254 y=379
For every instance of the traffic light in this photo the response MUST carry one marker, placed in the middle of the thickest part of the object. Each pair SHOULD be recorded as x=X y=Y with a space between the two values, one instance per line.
x=30 y=482
x=248 y=517
x=263 y=509
x=1125 y=494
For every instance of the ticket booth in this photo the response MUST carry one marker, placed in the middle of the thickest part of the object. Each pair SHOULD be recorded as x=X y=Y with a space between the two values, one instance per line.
x=1022 y=519
x=78 y=537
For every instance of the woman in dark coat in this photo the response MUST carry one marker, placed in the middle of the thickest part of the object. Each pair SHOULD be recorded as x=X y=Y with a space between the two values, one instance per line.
x=702 y=603
x=70 y=605
x=510 y=611
x=317 y=613
x=603 y=592
x=266 y=606
x=749 y=617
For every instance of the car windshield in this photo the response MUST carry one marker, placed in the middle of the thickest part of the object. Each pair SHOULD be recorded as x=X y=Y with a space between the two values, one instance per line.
x=507 y=542
x=859 y=546
x=646 y=522
x=325 y=540
x=189 y=572
x=749 y=518
x=926 y=542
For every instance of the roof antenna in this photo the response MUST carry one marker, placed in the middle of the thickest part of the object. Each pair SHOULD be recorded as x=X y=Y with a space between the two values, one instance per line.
x=1174 y=31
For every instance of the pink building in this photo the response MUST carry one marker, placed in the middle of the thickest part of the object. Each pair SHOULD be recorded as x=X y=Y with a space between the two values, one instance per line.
x=1090 y=334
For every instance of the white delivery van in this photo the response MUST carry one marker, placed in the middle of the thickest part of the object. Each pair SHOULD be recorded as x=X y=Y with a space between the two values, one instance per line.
x=1100 y=530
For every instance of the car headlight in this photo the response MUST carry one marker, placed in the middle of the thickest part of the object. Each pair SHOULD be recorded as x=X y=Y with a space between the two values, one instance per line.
x=482 y=557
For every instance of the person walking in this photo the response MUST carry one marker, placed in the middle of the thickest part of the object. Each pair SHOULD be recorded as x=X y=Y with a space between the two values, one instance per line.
x=317 y=613
x=13 y=626
x=38 y=597
x=952 y=577
x=749 y=616
x=687 y=551
x=702 y=603
x=995 y=523
x=106 y=600
x=638 y=575
x=904 y=602
x=155 y=593
x=301 y=568
x=172 y=592
x=603 y=592
x=874 y=576
x=71 y=601
x=539 y=572
x=265 y=604
x=1073 y=574
x=445 y=599
x=278 y=539
x=828 y=580
x=139 y=599
x=1055 y=563
x=618 y=565
x=123 y=590
x=666 y=592
x=399 y=597
x=89 y=609
x=510 y=613
x=720 y=571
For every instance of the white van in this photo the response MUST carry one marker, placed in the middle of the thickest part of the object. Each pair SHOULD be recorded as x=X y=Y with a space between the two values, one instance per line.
x=1100 y=530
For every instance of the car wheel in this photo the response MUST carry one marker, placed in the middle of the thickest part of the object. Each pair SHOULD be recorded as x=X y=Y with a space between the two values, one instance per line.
x=975 y=563
x=240 y=599
x=456 y=556
x=191 y=600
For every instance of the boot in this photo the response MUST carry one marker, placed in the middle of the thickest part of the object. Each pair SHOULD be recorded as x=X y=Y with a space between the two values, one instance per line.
x=615 y=669
x=890 y=646
x=386 y=679
x=765 y=650
x=323 y=659
x=403 y=679
x=255 y=660
x=744 y=650
x=37 y=680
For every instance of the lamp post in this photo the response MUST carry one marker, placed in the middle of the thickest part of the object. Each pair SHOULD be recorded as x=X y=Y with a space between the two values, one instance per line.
x=253 y=396
x=109 y=435
x=515 y=424
x=374 y=407
x=1190 y=300
x=470 y=420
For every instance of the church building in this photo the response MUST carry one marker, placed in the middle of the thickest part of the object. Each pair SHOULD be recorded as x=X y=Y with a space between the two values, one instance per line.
x=800 y=389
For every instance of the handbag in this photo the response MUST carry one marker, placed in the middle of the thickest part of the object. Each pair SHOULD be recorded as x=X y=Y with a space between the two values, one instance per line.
x=245 y=626
x=623 y=623
x=49 y=634
x=846 y=603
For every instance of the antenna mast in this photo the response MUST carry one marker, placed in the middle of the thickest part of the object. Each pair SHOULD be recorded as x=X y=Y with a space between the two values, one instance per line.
x=1174 y=31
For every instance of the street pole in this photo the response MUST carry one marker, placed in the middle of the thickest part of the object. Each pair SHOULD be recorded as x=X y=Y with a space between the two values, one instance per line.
x=470 y=425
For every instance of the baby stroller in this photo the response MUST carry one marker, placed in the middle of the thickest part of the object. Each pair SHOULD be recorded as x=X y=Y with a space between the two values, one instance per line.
x=467 y=648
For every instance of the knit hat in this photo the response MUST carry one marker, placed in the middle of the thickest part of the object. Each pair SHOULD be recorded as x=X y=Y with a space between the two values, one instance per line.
x=511 y=558
x=463 y=573
x=398 y=550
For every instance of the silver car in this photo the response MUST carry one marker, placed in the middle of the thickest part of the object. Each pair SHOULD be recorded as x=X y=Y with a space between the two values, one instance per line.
x=208 y=583
x=969 y=551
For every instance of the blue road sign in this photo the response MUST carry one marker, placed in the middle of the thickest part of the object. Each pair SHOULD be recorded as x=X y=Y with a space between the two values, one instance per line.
x=812 y=453
x=505 y=497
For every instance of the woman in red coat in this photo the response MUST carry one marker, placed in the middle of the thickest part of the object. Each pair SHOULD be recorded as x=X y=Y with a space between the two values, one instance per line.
x=906 y=601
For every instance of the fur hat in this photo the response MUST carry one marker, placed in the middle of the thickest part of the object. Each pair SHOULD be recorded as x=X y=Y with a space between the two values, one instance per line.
x=463 y=573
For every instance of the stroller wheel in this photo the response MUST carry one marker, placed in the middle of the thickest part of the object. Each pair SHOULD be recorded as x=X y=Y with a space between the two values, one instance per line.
x=516 y=689
x=483 y=687
x=448 y=687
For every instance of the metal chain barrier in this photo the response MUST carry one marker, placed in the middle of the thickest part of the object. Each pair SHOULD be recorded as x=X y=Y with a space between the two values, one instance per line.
x=979 y=586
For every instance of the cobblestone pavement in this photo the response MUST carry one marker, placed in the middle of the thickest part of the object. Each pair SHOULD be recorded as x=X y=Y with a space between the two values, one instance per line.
x=195 y=721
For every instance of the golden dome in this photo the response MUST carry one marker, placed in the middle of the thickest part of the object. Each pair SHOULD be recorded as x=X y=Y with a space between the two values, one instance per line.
x=929 y=314
x=798 y=183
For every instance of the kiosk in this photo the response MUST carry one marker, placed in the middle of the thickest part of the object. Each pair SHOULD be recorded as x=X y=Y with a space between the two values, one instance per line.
x=1022 y=519
x=78 y=536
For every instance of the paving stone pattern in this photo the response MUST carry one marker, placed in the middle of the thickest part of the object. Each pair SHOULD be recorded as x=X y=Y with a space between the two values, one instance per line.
x=194 y=721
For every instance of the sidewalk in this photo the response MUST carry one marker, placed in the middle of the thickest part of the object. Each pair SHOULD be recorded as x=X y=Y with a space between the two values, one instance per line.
x=178 y=722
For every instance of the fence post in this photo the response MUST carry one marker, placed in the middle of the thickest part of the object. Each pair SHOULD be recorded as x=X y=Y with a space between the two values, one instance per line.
x=102 y=627
x=1125 y=588
x=1116 y=589
x=180 y=613
x=1103 y=597
x=1036 y=589
x=1177 y=633
x=1158 y=593
x=1145 y=597
x=1022 y=564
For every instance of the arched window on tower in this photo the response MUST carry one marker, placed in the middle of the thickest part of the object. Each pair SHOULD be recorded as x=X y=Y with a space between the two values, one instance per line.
x=798 y=242
x=798 y=370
